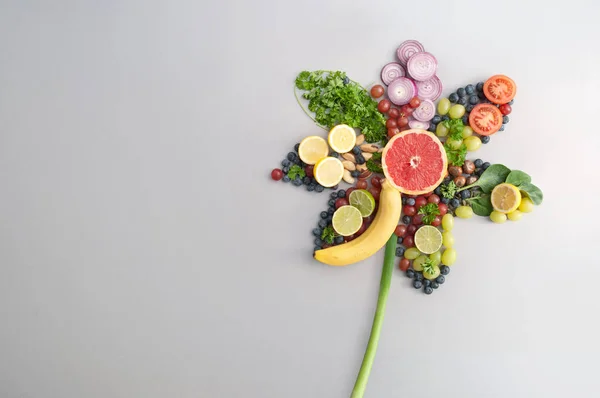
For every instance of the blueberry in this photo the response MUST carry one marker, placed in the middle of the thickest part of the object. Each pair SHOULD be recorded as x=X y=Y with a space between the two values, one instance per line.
x=417 y=284
x=406 y=220
x=400 y=240
x=419 y=276
x=478 y=172
x=436 y=119
x=317 y=232
x=505 y=119
x=473 y=100
x=399 y=251
x=297 y=182
x=481 y=96
x=355 y=173
x=335 y=154
x=331 y=203
x=333 y=195
x=440 y=279
x=356 y=150
x=341 y=193
x=426 y=282
x=286 y=163
x=317 y=248
x=444 y=200
x=466 y=194
x=444 y=269
x=410 y=201
x=478 y=163
x=501 y=128
x=465 y=120
x=428 y=290
x=469 y=107
x=454 y=202
x=318 y=242
x=330 y=211
x=432 y=127
x=445 y=117
x=335 y=187
x=435 y=285
x=346 y=80
x=310 y=187
x=285 y=169
x=511 y=102
x=485 y=165
x=469 y=89
x=485 y=139
x=403 y=200
x=296 y=147
x=453 y=97
x=319 y=188
x=286 y=179
x=479 y=86
x=324 y=215
x=292 y=157
x=410 y=273
x=322 y=223
x=461 y=92
x=306 y=180
x=360 y=159
x=329 y=218
x=438 y=191
x=462 y=101
x=338 y=240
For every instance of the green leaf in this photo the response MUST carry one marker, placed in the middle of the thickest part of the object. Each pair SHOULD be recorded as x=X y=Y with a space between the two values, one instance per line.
x=449 y=190
x=532 y=192
x=494 y=175
x=482 y=205
x=429 y=211
x=518 y=177
x=296 y=171
x=374 y=166
x=456 y=157
x=328 y=234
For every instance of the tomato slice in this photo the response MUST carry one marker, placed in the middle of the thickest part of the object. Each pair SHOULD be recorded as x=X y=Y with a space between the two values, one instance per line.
x=500 y=89
x=485 y=119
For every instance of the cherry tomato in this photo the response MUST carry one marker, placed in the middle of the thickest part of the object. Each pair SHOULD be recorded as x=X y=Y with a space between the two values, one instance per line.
x=404 y=264
x=392 y=132
x=400 y=230
x=377 y=91
x=341 y=202
x=420 y=201
x=375 y=192
x=417 y=219
x=414 y=103
x=402 y=121
x=376 y=182
x=408 y=241
x=391 y=123
x=433 y=198
x=384 y=105
x=361 y=184
x=277 y=174
x=394 y=113
x=409 y=210
x=505 y=109
x=407 y=110
x=437 y=221
x=500 y=89
x=485 y=119
x=443 y=208
x=411 y=229
x=309 y=170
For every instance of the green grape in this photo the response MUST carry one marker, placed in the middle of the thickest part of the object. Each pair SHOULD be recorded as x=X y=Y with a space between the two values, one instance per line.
x=526 y=205
x=498 y=217
x=436 y=258
x=447 y=222
x=464 y=212
x=467 y=131
x=473 y=143
x=412 y=253
x=447 y=239
x=515 y=215
x=449 y=257
x=433 y=275
x=454 y=144
x=457 y=111
x=443 y=106
x=441 y=130
x=419 y=261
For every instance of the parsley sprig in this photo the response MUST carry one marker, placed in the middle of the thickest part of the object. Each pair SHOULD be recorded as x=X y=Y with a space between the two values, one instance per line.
x=328 y=234
x=455 y=129
x=456 y=157
x=296 y=171
x=429 y=211
x=374 y=164
x=428 y=267
x=449 y=190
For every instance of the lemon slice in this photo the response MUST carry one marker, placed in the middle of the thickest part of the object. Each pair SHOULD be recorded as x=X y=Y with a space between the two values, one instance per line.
x=363 y=200
x=346 y=220
x=428 y=239
x=342 y=138
x=312 y=149
x=328 y=171
x=506 y=198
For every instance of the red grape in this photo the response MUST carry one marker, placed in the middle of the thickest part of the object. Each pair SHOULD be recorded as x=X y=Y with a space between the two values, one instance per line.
x=376 y=182
x=375 y=192
x=415 y=102
x=394 y=113
x=384 y=105
x=349 y=191
x=392 y=132
x=404 y=264
x=309 y=170
x=411 y=229
x=409 y=210
x=368 y=219
x=407 y=110
x=341 y=202
x=277 y=174
x=377 y=91
x=437 y=221
x=433 y=199
x=361 y=184
x=402 y=121
x=360 y=231
x=443 y=208
x=420 y=201
x=349 y=238
x=505 y=109
x=417 y=219
x=391 y=123
x=400 y=230
x=408 y=241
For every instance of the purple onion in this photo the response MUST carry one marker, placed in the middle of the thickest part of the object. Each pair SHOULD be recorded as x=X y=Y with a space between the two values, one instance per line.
x=421 y=66
x=407 y=49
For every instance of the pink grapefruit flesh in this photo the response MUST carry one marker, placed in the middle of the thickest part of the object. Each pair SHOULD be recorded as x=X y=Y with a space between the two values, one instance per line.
x=414 y=162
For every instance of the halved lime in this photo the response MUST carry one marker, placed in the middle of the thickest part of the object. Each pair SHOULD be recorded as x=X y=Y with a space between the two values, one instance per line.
x=428 y=239
x=346 y=220
x=363 y=201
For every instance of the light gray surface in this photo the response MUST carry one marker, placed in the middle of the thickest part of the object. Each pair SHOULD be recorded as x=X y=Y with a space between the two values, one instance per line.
x=145 y=253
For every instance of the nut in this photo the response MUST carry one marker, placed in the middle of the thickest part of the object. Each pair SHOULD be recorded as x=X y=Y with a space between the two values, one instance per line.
x=370 y=148
x=380 y=150
x=468 y=167
x=360 y=139
x=471 y=180
x=348 y=177
x=348 y=165
x=349 y=157
x=455 y=171
x=361 y=167
x=365 y=174
x=367 y=155
x=460 y=181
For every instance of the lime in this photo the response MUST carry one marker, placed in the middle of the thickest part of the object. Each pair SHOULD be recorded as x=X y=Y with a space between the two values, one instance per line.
x=312 y=149
x=328 y=171
x=342 y=138
x=347 y=220
x=363 y=201
x=506 y=198
x=428 y=239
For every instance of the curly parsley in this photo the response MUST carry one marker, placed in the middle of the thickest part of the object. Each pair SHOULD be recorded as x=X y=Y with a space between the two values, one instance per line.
x=456 y=157
x=449 y=190
x=296 y=171
x=429 y=211
x=328 y=234
x=374 y=164
x=455 y=129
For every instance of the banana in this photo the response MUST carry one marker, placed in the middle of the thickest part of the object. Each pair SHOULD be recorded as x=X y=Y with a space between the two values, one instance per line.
x=374 y=238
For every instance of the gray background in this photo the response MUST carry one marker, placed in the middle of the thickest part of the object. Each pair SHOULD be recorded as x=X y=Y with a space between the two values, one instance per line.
x=144 y=252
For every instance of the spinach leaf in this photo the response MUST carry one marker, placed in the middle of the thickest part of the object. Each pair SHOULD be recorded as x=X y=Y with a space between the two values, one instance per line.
x=518 y=177
x=482 y=205
x=533 y=192
x=494 y=175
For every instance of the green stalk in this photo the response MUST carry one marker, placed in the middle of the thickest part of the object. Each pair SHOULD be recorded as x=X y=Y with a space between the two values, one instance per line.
x=384 y=289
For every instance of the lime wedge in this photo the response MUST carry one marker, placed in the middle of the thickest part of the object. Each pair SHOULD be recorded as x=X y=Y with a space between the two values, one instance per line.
x=346 y=220
x=363 y=201
x=428 y=239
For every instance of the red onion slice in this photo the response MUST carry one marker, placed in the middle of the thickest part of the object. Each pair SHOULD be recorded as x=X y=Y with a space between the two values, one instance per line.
x=415 y=124
x=391 y=72
x=407 y=49
x=430 y=89
x=401 y=91
x=425 y=112
x=421 y=66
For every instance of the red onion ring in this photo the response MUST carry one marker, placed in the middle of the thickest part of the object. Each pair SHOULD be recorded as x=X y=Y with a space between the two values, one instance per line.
x=401 y=91
x=425 y=112
x=422 y=66
x=415 y=124
x=430 y=89
x=391 y=72
x=407 y=49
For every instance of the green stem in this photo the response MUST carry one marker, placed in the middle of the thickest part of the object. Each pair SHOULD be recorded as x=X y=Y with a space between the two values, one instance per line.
x=384 y=288
x=305 y=110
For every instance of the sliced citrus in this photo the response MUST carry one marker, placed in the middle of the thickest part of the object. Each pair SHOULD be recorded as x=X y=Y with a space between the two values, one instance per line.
x=414 y=161
x=312 y=149
x=506 y=198
x=342 y=138
x=428 y=239
x=363 y=200
x=346 y=220
x=329 y=171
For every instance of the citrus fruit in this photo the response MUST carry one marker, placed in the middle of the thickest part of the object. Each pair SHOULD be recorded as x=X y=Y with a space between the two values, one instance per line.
x=363 y=200
x=342 y=138
x=346 y=220
x=428 y=239
x=506 y=198
x=328 y=171
x=414 y=162
x=312 y=149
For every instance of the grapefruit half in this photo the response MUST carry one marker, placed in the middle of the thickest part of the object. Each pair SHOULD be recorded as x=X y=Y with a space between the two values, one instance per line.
x=414 y=162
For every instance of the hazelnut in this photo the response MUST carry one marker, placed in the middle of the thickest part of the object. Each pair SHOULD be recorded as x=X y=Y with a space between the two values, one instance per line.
x=471 y=180
x=455 y=171
x=468 y=167
x=460 y=181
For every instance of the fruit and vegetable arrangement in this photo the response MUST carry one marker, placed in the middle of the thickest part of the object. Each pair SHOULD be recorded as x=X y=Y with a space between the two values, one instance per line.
x=394 y=164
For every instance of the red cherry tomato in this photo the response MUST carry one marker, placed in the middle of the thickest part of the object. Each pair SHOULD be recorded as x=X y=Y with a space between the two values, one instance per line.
x=384 y=105
x=402 y=121
x=485 y=119
x=408 y=241
x=415 y=102
x=277 y=174
x=411 y=229
x=420 y=201
x=417 y=219
x=391 y=123
x=409 y=210
x=433 y=198
x=505 y=109
x=361 y=184
x=392 y=132
x=377 y=91
x=394 y=113
x=376 y=182
x=500 y=89
x=437 y=221
x=404 y=264
x=400 y=230
x=443 y=208
x=341 y=202
x=375 y=192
